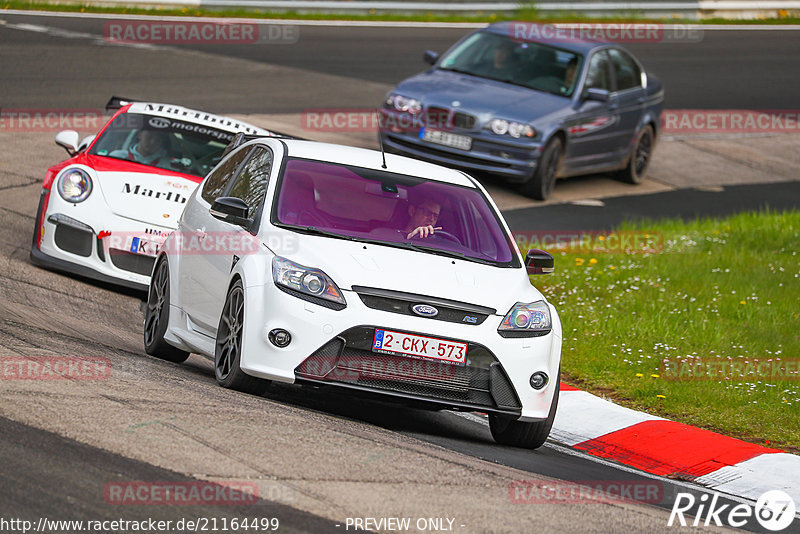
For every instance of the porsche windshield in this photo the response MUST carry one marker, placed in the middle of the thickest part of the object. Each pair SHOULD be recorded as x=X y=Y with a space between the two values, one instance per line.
x=370 y=205
x=532 y=65
x=171 y=144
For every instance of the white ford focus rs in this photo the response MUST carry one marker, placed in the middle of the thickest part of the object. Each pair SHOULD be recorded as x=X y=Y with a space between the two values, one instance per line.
x=305 y=262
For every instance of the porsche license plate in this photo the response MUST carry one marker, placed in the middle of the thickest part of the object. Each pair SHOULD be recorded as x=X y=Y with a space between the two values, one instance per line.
x=447 y=139
x=391 y=342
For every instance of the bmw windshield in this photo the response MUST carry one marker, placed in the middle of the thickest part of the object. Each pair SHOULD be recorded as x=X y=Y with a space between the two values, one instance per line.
x=528 y=64
x=349 y=202
x=170 y=144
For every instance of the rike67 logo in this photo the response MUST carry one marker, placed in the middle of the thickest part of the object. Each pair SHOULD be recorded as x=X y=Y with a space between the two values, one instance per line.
x=774 y=511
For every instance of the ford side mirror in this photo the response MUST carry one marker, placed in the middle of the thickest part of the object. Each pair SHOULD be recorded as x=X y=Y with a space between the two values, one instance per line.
x=599 y=95
x=430 y=57
x=69 y=140
x=539 y=262
x=232 y=210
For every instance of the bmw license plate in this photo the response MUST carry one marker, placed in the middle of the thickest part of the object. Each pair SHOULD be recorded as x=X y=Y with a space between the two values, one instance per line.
x=391 y=342
x=447 y=139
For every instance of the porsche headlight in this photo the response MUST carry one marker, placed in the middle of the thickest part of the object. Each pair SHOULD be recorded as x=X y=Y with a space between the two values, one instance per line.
x=307 y=280
x=514 y=129
x=74 y=185
x=402 y=103
x=532 y=319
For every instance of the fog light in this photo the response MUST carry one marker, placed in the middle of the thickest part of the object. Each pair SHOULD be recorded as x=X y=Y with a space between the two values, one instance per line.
x=280 y=338
x=538 y=380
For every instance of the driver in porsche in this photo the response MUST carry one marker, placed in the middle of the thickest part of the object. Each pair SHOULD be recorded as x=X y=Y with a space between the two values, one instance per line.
x=150 y=149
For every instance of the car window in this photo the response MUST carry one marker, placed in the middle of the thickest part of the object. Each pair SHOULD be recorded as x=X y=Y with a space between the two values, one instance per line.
x=381 y=206
x=220 y=177
x=171 y=144
x=625 y=69
x=251 y=184
x=597 y=75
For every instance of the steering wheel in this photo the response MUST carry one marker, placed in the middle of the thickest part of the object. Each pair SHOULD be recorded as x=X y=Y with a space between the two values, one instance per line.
x=448 y=236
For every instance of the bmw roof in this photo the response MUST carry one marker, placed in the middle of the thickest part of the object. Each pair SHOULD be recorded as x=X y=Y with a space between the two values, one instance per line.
x=535 y=32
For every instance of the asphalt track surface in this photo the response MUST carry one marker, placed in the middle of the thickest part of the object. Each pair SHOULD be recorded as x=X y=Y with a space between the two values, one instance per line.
x=47 y=474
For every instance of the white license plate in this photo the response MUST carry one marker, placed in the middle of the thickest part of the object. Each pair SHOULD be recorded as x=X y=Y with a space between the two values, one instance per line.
x=390 y=342
x=447 y=139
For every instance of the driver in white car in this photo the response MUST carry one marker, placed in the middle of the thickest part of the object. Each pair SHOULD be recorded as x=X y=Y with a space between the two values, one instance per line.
x=422 y=219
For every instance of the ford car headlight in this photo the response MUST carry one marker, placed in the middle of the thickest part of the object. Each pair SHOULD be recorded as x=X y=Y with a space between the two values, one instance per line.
x=527 y=320
x=402 y=103
x=74 y=185
x=307 y=280
x=514 y=129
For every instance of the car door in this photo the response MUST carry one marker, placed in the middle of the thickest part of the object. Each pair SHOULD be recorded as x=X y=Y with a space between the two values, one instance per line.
x=630 y=98
x=231 y=241
x=196 y=228
x=593 y=139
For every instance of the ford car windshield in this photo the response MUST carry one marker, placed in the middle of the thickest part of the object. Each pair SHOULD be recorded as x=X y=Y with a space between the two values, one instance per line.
x=529 y=64
x=170 y=144
x=377 y=206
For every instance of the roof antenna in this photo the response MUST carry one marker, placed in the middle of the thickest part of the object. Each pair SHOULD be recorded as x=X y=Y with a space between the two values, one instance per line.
x=380 y=140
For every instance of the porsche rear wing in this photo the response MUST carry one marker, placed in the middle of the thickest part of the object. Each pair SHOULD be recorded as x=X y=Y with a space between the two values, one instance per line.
x=117 y=102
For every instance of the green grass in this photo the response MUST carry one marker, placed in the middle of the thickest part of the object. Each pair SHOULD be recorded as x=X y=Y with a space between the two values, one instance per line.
x=526 y=12
x=720 y=290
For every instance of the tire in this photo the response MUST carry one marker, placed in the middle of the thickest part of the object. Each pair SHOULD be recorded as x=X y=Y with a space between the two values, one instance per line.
x=525 y=435
x=543 y=180
x=156 y=317
x=228 y=346
x=636 y=169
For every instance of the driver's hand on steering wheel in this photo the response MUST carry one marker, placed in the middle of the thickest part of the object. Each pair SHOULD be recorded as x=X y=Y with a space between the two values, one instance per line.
x=423 y=231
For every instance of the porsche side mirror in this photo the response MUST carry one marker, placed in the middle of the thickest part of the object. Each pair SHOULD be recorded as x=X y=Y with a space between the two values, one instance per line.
x=231 y=209
x=68 y=139
x=539 y=262
x=599 y=95
x=430 y=57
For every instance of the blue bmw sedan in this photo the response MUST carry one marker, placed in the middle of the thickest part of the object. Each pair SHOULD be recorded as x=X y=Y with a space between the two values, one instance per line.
x=527 y=108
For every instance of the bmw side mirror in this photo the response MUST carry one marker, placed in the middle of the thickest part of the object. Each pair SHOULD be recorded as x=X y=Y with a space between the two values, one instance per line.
x=232 y=210
x=539 y=262
x=430 y=57
x=599 y=95
x=68 y=139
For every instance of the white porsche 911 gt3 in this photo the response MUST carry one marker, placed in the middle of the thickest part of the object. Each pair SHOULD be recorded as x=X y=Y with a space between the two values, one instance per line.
x=306 y=262
x=104 y=212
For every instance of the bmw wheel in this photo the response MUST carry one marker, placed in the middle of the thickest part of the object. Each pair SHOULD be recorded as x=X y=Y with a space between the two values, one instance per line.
x=636 y=169
x=228 y=351
x=156 y=317
x=541 y=184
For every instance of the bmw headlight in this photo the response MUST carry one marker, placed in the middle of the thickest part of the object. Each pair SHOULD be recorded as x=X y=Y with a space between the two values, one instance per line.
x=402 y=103
x=514 y=129
x=307 y=280
x=74 y=185
x=526 y=320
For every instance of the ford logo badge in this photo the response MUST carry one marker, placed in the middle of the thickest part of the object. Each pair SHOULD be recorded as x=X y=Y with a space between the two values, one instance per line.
x=425 y=310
